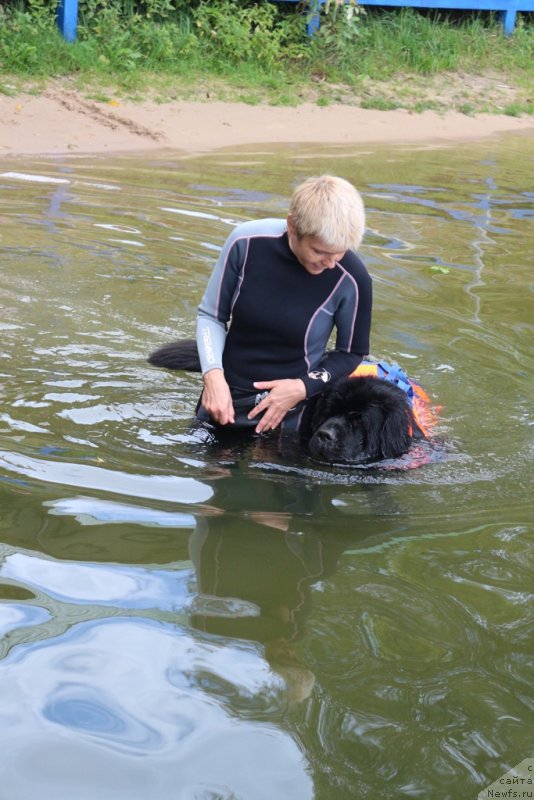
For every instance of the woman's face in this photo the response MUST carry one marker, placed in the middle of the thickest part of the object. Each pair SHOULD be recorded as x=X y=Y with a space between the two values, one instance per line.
x=312 y=253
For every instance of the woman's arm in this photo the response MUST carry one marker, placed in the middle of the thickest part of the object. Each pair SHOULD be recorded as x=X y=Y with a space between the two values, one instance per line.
x=213 y=316
x=352 y=320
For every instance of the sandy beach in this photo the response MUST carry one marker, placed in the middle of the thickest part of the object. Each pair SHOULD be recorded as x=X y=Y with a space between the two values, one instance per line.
x=62 y=121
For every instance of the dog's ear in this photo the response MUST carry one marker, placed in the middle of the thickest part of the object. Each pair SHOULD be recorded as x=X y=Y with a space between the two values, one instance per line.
x=386 y=431
x=395 y=434
x=371 y=424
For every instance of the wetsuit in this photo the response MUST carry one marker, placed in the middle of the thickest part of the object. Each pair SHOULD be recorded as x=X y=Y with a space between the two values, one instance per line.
x=281 y=315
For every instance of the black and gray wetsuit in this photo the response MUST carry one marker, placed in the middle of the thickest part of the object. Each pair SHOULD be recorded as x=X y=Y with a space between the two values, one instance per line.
x=264 y=317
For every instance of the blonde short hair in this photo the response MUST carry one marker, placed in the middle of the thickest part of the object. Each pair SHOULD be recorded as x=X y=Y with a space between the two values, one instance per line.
x=331 y=209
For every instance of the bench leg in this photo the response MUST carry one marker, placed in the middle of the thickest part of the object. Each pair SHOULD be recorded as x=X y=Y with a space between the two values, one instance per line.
x=508 y=21
x=313 y=18
x=67 y=18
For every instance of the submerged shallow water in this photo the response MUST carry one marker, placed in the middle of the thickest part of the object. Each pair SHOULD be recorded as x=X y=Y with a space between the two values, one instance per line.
x=189 y=621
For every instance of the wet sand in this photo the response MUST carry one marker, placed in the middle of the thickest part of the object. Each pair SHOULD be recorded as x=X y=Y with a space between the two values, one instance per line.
x=63 y=121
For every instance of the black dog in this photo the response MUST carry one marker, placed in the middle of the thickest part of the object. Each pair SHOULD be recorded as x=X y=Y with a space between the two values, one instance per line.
x=354 y=421
x=359 y=420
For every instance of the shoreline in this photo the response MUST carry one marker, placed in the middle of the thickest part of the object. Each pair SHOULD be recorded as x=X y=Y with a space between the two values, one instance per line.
x=62 y=122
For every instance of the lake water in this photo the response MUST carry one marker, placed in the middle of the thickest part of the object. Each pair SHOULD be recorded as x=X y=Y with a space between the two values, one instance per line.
x=198 y=622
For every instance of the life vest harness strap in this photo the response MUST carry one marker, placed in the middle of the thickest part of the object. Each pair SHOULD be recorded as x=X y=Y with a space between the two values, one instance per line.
x=388 y=372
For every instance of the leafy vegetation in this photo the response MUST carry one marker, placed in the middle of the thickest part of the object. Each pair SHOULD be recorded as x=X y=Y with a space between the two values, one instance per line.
x=256 y=50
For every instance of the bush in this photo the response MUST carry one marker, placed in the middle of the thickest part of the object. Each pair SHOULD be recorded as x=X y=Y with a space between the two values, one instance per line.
x=235 y=31
x=261 y=47
x=29 y=39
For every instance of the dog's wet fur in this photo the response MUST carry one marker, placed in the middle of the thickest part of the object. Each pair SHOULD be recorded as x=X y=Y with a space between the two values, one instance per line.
x=354 y=421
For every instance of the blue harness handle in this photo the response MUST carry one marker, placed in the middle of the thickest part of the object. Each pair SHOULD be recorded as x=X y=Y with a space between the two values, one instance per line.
x=394 y=374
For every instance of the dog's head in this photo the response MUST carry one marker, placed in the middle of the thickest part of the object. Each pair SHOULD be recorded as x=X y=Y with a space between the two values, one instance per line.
x=360 y=420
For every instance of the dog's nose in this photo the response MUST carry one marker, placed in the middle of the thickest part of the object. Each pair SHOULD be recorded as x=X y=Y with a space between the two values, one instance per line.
x=325 y=435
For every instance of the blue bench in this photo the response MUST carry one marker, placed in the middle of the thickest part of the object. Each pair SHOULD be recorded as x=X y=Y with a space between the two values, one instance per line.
x=507 y=8
x=67 y=12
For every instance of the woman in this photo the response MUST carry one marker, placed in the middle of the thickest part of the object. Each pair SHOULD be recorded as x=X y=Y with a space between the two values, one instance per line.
x=277 y=291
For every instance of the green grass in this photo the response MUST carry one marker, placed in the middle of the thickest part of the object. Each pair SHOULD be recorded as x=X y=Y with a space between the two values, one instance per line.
x=379 y=103
x=258 y=52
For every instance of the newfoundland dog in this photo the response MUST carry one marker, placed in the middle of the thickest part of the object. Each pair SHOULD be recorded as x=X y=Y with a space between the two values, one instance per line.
x=355 y=420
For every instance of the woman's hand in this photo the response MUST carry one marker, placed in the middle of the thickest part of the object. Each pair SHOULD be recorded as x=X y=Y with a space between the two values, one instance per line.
x=283 y=395
x=216 y=397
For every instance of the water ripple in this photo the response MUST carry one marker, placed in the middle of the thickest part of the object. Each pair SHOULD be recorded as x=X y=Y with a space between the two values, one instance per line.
x=17 y=615
x=103 y=707
x=156 y=487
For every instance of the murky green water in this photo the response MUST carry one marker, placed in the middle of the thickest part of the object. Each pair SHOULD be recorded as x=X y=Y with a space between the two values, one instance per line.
x=186 y=622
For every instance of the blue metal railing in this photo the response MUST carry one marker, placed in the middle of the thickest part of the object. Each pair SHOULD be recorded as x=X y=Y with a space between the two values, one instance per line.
x=507 y=8
x=67 y=12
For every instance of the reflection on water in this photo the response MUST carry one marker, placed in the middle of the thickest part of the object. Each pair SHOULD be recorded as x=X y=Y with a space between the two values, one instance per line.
x=126 y=708
x=198 y=621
